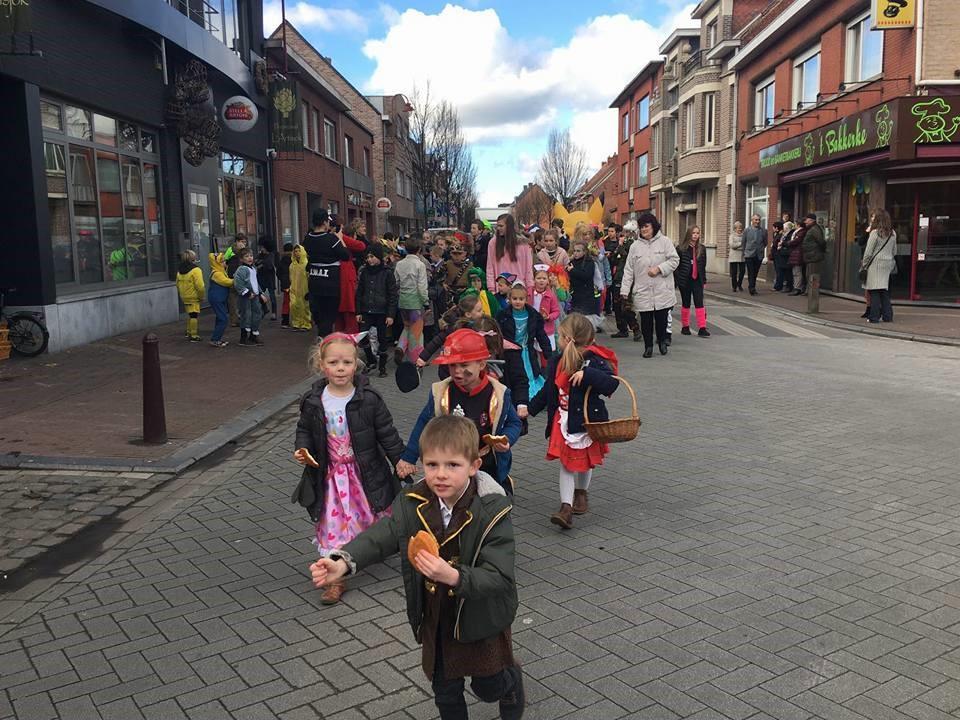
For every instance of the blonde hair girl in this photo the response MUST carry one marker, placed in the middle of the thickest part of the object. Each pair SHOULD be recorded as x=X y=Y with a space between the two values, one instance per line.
x=348 y=481
x=581 y=364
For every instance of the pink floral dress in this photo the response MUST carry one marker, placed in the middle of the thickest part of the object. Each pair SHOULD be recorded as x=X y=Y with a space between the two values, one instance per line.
x=346 y=512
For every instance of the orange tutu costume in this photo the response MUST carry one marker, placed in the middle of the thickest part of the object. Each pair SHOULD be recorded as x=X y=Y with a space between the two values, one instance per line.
x=577 y=453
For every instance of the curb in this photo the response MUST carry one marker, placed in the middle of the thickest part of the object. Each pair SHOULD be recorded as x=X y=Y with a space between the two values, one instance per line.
x=182 y=459
x=877 y=332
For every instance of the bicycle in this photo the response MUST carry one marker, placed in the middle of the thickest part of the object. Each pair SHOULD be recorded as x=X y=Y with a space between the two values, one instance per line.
x=26 y=334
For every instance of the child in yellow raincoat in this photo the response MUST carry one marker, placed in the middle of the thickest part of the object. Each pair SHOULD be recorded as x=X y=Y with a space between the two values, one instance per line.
x=221 y=285
x=299 y=308
x=190 y=286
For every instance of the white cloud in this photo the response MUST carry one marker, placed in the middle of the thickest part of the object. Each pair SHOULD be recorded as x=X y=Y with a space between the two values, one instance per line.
x=509 y=89
x=305 y=15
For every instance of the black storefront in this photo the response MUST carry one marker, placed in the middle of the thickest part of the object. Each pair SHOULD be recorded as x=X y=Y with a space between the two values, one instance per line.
x=99 y=199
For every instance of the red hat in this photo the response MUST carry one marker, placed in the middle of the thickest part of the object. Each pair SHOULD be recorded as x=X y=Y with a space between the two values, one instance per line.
x=463 y=346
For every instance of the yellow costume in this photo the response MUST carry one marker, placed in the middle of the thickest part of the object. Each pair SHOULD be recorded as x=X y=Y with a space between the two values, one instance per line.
x=299 y=308
x=190 y=286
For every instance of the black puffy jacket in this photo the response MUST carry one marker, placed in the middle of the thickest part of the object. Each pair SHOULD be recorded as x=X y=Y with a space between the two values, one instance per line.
x=597 y=374
x=375 y=441
x=377 y=290
x=683 y=273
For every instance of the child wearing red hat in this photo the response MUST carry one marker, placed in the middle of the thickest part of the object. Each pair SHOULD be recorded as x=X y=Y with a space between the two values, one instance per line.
x=470 y=392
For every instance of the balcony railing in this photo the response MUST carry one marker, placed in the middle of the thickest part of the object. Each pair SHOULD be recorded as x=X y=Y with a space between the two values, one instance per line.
x=215 y=17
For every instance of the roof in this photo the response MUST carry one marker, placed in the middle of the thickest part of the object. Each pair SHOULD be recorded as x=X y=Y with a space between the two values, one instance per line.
x=676 y=36
x=701 y=9
x=792 y=15
x=648 y=70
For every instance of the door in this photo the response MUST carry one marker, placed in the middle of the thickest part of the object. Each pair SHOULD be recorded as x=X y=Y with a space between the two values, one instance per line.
x=199 y=214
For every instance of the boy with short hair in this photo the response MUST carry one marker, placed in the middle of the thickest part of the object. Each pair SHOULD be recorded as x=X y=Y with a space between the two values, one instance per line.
x=472 y=393
x=250 y=300
x=462 y=602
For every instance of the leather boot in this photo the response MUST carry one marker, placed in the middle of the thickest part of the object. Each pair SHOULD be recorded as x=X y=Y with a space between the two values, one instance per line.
x=382 y=367
x=513 y=703
x=243 y=337
x=580 y=505
x=563 y=517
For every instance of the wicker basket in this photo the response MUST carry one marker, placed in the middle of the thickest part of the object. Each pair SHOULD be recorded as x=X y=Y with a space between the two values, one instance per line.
x=613 y=431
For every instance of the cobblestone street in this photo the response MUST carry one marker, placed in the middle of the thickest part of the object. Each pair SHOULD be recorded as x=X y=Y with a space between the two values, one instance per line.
x=781 y=541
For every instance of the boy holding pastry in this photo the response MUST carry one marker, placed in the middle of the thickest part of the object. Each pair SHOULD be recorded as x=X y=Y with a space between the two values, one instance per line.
x=458 y=571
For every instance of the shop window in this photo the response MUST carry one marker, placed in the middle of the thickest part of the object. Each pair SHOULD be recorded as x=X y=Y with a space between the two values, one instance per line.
x=643 y=112
x=864 y=56
x=764 y=103
x=329 y=139
x=50 y=116
x=709 y=118
x=241 y=209
x=101 y=197
x=806 y=78
x=642 y=171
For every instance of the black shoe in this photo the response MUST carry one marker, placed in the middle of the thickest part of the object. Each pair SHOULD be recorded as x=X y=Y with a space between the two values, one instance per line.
x=734 y=288
x=513 y=703
x=637 y=337
x=703 y=332
x=797 y=292
x=620 y=334
x=753 y=291
x=243 y=337
x=685 y=330
x=664 y=348
x=648 y=353
x=669 y=340
x=866 y=314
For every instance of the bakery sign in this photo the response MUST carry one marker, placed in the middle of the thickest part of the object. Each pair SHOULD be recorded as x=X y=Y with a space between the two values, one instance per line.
x=858 y=133
x=239 y=113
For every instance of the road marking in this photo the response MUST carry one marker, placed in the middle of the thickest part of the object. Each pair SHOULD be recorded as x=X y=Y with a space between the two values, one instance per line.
x=734 y=328
x=789 y=328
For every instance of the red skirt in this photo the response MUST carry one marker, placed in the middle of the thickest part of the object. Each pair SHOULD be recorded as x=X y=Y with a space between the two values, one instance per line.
x=574 y=459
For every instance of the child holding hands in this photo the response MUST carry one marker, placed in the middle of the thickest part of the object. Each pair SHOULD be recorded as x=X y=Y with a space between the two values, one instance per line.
x=580 y=365
x=348 y=444
x=462 y=600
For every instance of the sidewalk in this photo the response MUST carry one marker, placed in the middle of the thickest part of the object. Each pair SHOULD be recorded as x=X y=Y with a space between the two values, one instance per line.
x=911 y=322
x=85 y=403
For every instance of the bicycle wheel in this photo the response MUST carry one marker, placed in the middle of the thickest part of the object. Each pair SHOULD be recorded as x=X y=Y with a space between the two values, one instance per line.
x=28 y=337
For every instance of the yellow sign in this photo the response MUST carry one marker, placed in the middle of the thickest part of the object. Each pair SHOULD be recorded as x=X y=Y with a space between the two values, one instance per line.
x=894 y=14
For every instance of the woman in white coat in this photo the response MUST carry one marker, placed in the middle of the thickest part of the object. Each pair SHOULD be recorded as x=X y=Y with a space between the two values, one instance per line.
x=648 y=281
x=879 y=260
x=738 y=268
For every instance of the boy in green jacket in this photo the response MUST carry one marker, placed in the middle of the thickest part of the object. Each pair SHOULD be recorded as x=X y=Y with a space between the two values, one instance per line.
x=461 y=603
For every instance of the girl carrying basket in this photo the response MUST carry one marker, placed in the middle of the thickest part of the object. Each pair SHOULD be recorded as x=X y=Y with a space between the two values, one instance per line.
x=581 y=364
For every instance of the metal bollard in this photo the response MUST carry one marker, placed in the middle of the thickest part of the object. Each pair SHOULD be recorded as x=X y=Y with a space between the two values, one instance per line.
x=154 y=417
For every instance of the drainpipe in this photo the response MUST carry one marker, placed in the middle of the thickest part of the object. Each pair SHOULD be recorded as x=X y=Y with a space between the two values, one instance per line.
x=918 y=78
x=733 y=180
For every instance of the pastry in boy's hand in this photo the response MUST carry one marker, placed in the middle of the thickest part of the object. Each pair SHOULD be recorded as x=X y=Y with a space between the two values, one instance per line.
x=422 y=541
x=494 y=440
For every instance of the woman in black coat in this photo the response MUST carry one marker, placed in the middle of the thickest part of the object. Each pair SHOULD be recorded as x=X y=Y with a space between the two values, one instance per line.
x=376 y=446
x=691 y=276
x=583 y=297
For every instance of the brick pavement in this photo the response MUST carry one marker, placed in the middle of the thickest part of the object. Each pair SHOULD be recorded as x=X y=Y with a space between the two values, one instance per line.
x=782 y=541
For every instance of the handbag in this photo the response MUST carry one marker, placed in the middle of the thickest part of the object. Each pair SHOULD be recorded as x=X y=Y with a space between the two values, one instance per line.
x=864 y=268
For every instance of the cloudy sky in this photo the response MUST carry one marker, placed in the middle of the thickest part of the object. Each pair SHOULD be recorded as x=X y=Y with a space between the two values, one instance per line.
x=514 y=68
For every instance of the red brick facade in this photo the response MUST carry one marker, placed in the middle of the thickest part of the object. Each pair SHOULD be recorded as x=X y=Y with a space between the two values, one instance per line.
x=634 y=197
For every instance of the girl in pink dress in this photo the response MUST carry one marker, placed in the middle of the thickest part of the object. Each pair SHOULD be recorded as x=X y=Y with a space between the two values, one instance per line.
x=348 y=444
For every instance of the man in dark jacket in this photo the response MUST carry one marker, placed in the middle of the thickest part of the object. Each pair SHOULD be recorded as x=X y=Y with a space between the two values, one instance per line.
x=480 y=240
x=754 y=249
x=814 y=252
x=376 y=304
x=622 y=311
x=325 y=251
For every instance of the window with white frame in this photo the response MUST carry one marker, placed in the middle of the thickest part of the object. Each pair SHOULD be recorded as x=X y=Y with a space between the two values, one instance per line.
x=399 y=179
x=626 y=126
x=690 y=125
x=305 y=112
x=709 y=118
x=329 y=139
x=643 y=112
x=642 y=170
x=806 y=78
x=711 y=35
x=348 y=157
x=315 y=130
x=625 y=172
x=408 y=187
x=864 y=50
x=758 y=200
x=764 y=102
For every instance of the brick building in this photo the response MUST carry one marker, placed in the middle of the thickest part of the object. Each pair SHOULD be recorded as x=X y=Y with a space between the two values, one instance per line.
x=605 y=185
x=348 y=141
x=100 y=192
x=836 y=119
x=634 y=153
x=395 y=152
x=533 y=206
